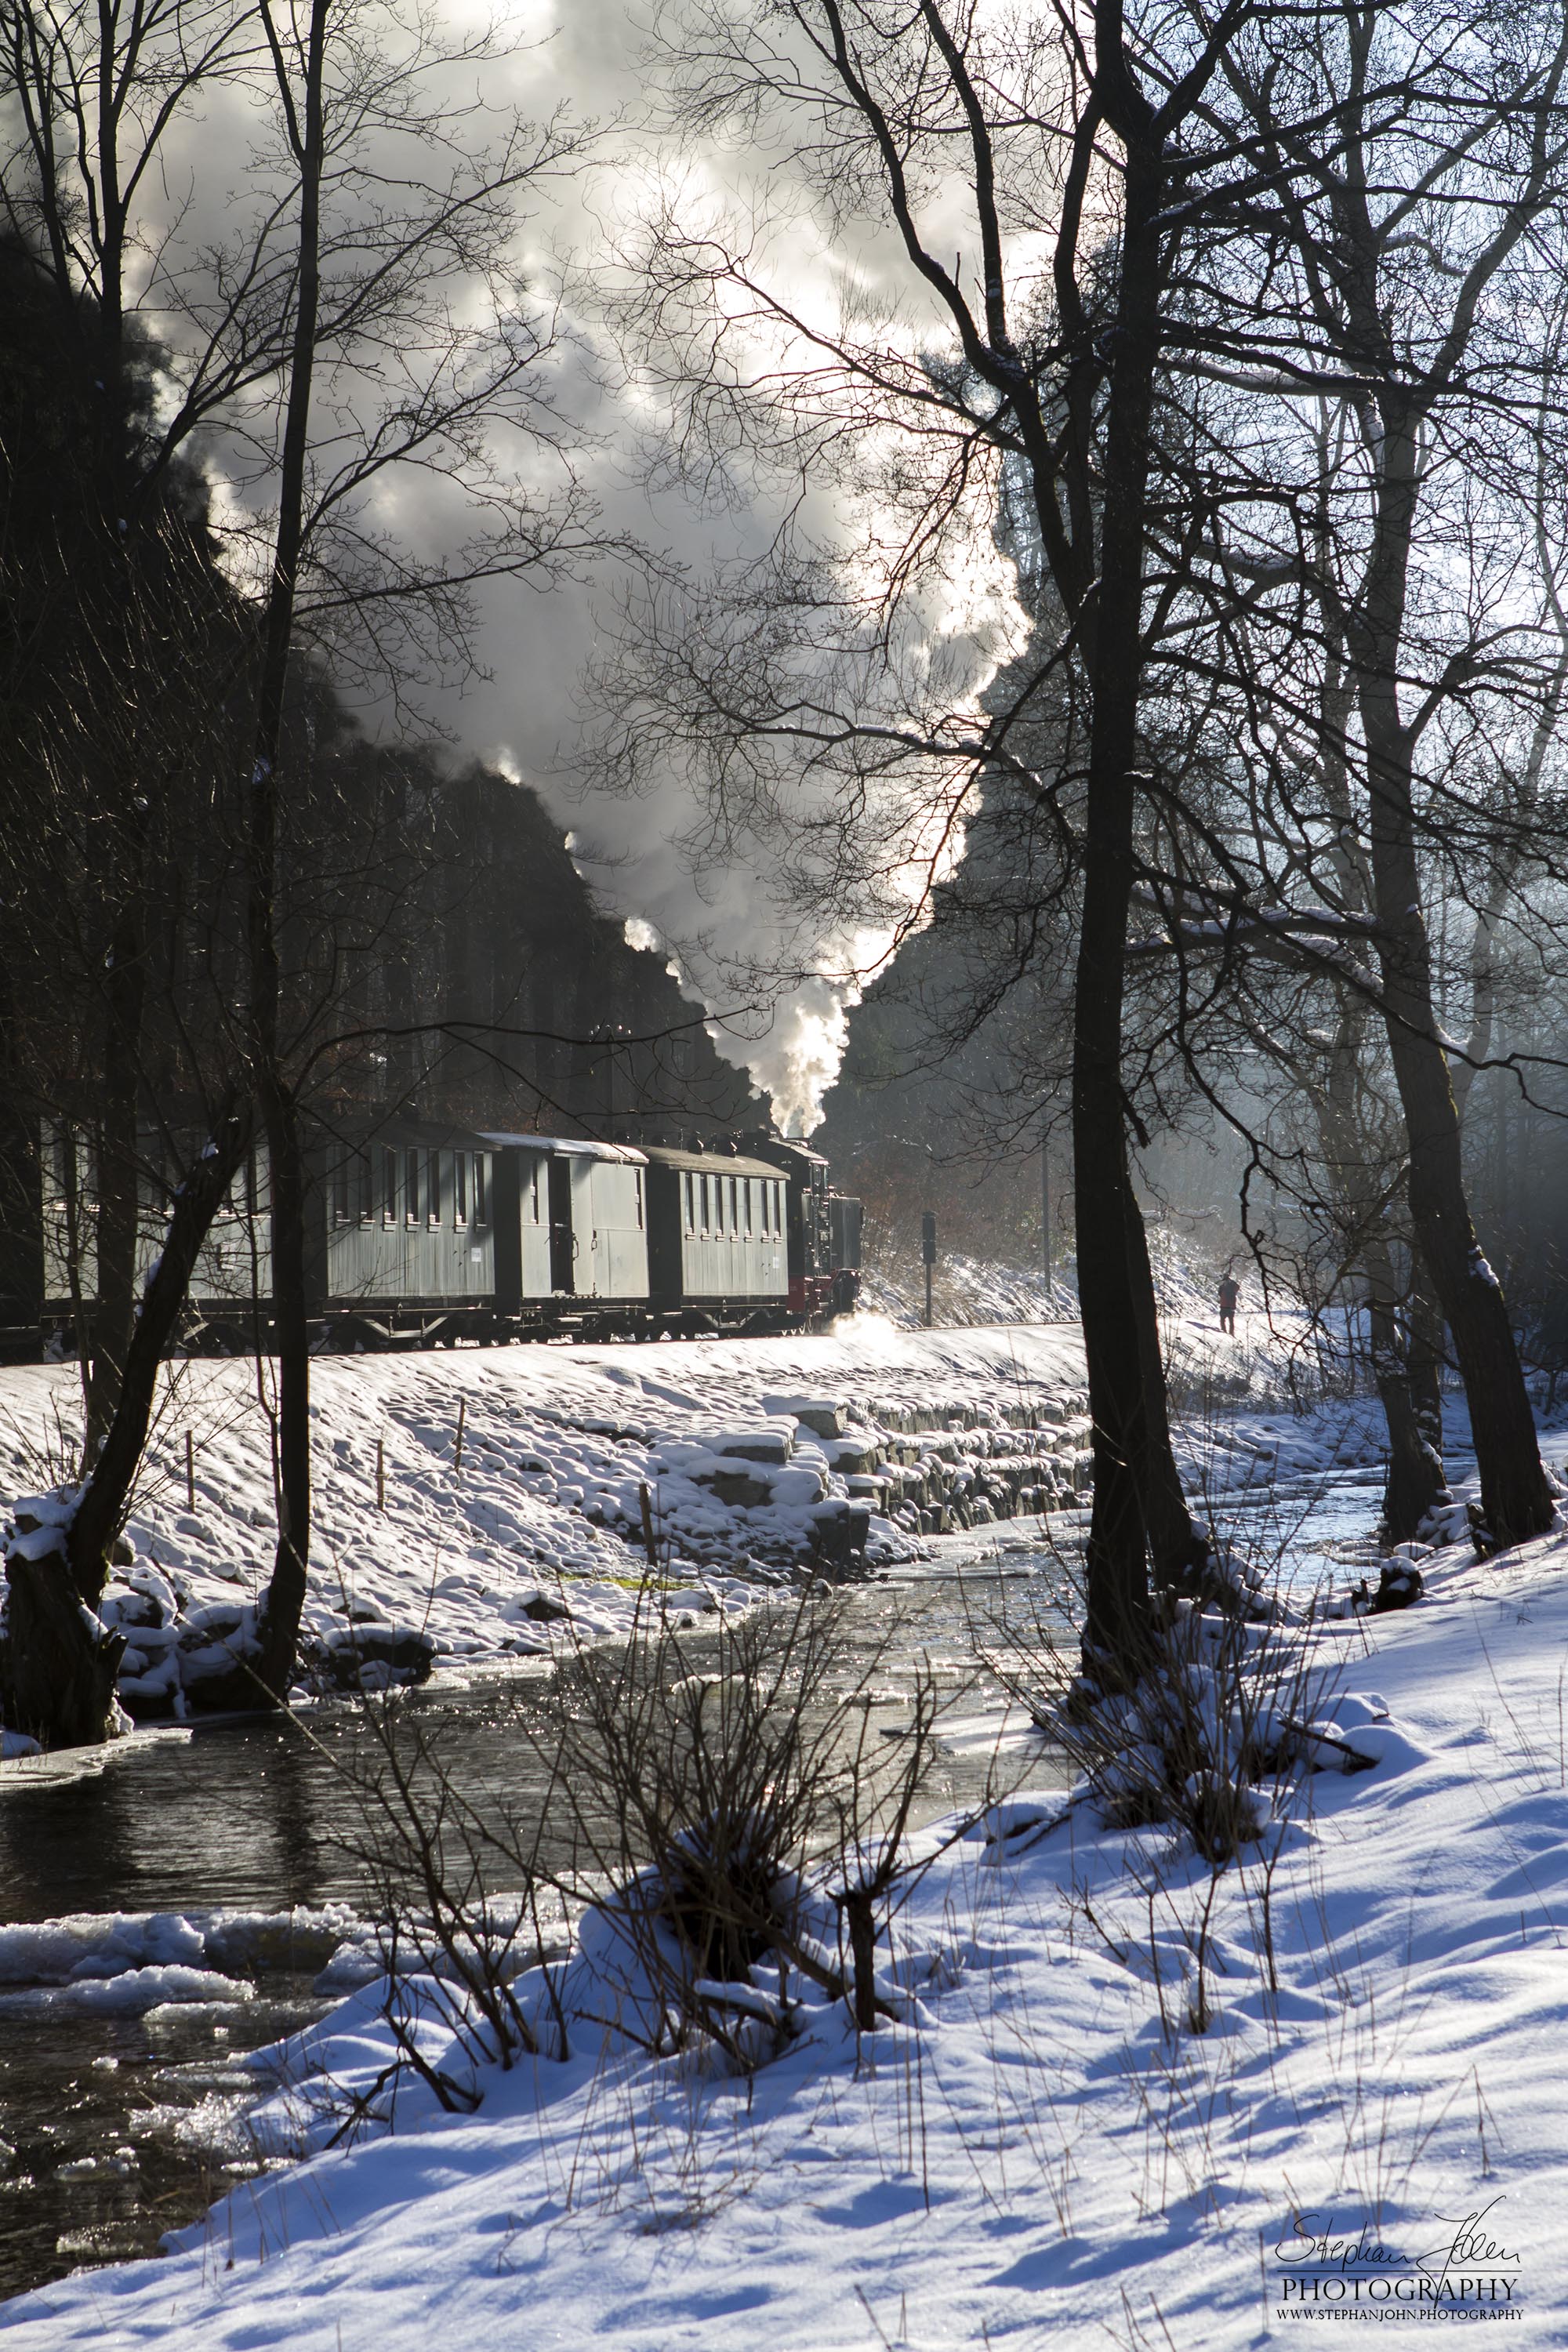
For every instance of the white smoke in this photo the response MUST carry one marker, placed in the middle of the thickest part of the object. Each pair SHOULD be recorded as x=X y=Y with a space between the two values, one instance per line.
x=798 y=1059
x=720 y=923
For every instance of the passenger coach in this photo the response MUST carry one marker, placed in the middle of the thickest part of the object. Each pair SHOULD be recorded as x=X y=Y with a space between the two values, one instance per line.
x=424 y=1234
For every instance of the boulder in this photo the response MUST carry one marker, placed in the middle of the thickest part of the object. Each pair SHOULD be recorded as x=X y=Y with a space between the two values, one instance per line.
x=401 y=1649
x=542 y=1611
x=774 y=1445
x=821 y=1415
x=854 y=1456
x=739 y=1490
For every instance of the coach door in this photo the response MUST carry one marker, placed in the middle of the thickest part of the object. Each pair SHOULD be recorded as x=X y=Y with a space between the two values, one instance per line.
x=563 y=1276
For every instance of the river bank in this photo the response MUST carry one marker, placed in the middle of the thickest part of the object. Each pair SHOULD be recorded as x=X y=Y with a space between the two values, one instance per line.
x=1119 y=2092
x=214 y=1845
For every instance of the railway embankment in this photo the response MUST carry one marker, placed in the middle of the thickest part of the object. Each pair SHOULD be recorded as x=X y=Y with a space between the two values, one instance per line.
x=480 y=1505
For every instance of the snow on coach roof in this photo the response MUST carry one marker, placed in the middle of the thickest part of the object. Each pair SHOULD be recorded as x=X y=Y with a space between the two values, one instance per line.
x=573 y=1144
x=715 y=1163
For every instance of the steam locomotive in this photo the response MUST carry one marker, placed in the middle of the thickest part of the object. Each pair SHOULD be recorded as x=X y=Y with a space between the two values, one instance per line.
x=422 y=1234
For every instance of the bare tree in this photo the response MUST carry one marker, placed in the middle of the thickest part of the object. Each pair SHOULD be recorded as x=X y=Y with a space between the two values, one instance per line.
x=371 y=282
x=1100 y=147
x=1409 y=233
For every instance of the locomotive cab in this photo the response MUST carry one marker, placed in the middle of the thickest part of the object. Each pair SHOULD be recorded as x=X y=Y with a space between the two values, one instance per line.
x=824 y=1230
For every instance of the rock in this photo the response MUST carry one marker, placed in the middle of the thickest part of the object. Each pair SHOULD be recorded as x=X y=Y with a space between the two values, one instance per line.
x=1400 y=1585
x=854 y=1456
x=822 y=1416
x=131 y=1610
x=776 y=1444
x=402 y=1650
x=542 y=1611
x=737 y=1488
x=122 y=1552
x=839 y=1536
x=218 y=1622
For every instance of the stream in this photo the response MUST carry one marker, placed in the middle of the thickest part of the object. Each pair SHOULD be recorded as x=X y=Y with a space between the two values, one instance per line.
x=119 y=2113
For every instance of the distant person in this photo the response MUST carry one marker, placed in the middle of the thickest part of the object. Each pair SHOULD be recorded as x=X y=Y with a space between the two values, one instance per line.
x=1229 y=1292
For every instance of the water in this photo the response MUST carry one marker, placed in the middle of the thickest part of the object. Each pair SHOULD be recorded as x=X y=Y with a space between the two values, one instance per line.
x=261 y=1816
x=117 y=2122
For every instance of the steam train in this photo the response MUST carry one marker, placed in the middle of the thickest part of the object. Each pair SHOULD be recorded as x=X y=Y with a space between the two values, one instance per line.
x=422 y=1234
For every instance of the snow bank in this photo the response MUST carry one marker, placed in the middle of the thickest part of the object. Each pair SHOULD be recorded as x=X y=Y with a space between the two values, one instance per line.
x=133 y=1961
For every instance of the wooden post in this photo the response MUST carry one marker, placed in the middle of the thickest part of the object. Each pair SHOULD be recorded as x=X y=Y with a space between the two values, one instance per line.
x=379 y=1475
x=457 y=1448
x=649 y=1544
x=190 y=1472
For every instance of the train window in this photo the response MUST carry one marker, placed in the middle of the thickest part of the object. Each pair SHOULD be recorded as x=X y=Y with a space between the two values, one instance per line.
x=638 y=1174
x=534 y=1191
x=388 y=1185
x=778 y=1192
x=365 y=1188
x=436 y=1178
x=734 y=1206
x=688 y=1200
x=482 y=1191
x=341 y=1192
x=460 y=1188
x=411 y=1186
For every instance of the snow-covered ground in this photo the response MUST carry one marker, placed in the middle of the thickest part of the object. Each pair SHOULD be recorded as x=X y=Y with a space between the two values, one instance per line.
x=1043 y=2145
x=1041 y=2142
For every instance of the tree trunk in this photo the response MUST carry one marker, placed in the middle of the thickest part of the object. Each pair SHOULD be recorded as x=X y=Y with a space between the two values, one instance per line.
x=1415 y=1479
x=285 y=1592
x=119 y=1182
x=1139 y=1509
x=1515 y=1499
x=58 y=1675
x=279 y=1107
x=1423 y=1355
x=97 y=1516
x=60 y=1667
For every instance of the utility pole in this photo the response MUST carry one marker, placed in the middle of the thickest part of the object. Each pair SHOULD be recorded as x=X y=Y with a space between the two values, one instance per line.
x=609 y=1035
x=928 y=1252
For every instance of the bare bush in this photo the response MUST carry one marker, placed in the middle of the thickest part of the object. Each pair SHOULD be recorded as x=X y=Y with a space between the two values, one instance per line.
x=453 y=1948
x=730 y=1795
x=1225 y=1701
